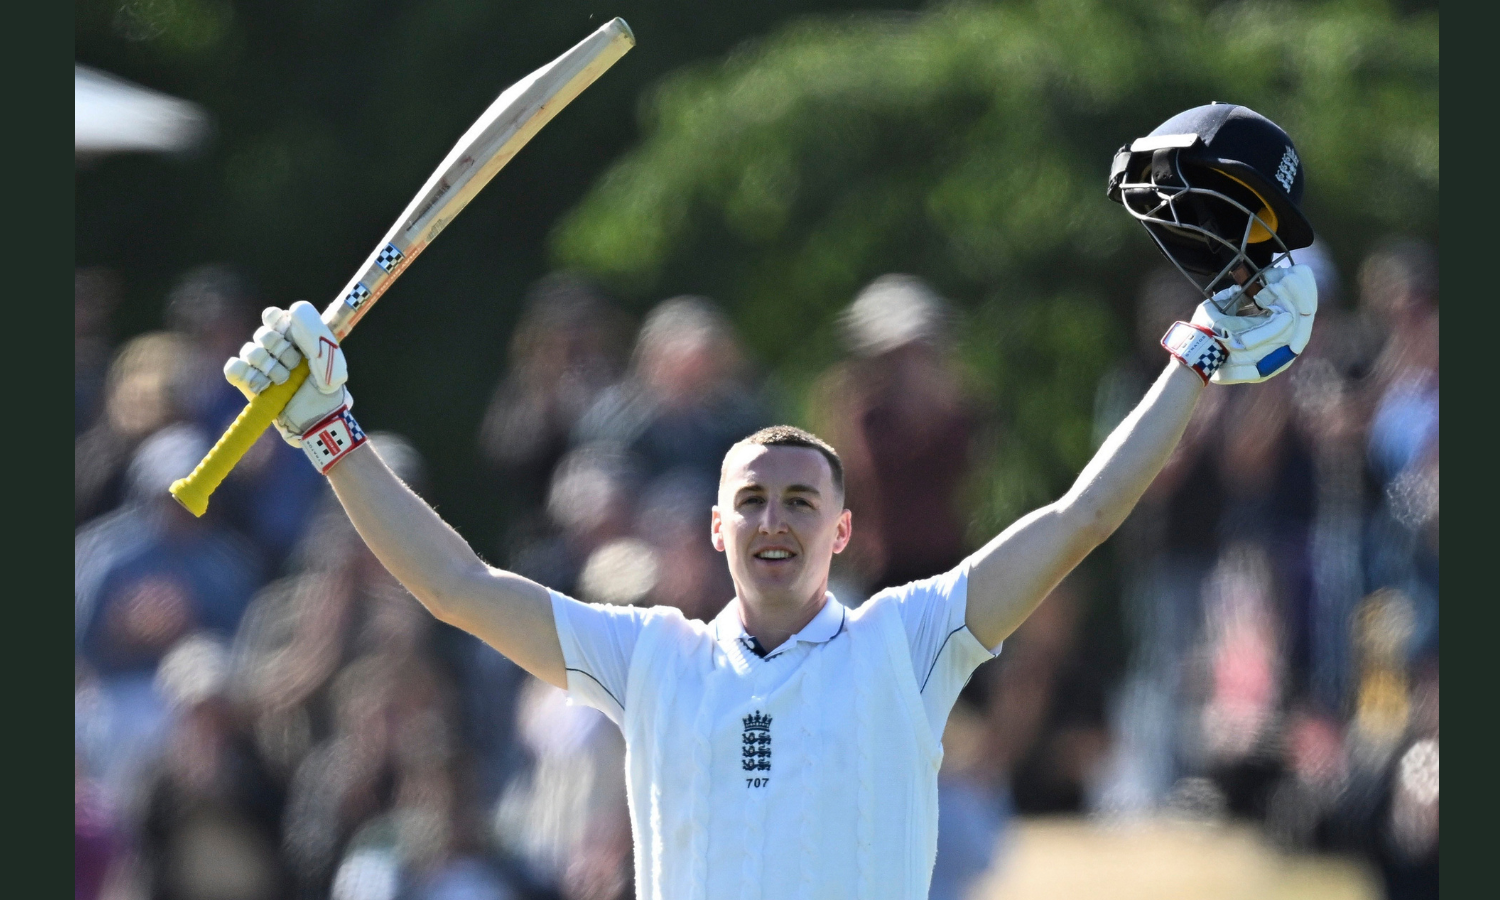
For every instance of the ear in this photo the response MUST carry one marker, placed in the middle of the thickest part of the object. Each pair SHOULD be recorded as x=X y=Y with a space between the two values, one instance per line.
x=715 y=529
x=844 y=532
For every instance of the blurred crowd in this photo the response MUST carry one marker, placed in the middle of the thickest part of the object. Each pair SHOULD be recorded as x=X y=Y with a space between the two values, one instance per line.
x=262 y=711
x=1280 y=584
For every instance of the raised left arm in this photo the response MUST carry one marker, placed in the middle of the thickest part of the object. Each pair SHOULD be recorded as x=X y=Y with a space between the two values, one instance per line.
x=1014 y=571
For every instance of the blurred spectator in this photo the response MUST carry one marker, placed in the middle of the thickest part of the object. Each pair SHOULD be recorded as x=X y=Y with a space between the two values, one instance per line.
x=337 y=603
x=214 y=308
x=566 y=817
x=427 y=845
x=212 y=816
x=149 y=573
x=974 y=809
x=1399 y=285
x=673 y=519
x=1345 y=337
x=567 y=348
x=1316 y=777
x=1270 y=497
x=381 y=704
x=1242 y=680
x=686 y=399
x=98 y=841
x=1407 y=843
x=997 y=723
x=300 y=629
x=142 y=392
x=145 y=576
x=588 y=504
x=1331 y=424
x=162 y=377
x=351 y=709
x=1164 y=551
x=668 y=558
x=904 y=428
x=1043 y=704
x=96 y=293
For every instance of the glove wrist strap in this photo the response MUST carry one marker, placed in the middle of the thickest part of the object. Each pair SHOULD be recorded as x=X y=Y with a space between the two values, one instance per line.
x=332 y=438
x=1195 y=347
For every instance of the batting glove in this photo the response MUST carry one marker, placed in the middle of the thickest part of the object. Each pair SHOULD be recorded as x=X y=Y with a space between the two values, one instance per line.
x=1234 y=349
x=317 y=418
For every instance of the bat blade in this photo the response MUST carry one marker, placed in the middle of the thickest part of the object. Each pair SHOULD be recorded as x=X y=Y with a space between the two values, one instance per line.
x=491 y=142
x=504 y=128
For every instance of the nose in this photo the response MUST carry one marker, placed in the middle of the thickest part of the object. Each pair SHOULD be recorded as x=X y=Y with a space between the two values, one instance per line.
x=772 y=521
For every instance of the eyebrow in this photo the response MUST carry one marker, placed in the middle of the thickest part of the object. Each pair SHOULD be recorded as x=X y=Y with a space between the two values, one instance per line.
x=794 y=488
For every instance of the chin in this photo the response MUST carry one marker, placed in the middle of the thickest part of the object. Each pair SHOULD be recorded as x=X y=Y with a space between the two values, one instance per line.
x=782 y=592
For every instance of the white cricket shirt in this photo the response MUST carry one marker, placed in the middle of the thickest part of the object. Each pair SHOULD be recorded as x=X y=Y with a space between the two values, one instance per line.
x=811 y=772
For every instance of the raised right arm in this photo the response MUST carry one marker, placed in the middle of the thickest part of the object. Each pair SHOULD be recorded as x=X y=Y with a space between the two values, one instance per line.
x=508 y=612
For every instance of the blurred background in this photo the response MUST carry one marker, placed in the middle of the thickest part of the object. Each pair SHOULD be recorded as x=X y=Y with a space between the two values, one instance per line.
x=884 y=222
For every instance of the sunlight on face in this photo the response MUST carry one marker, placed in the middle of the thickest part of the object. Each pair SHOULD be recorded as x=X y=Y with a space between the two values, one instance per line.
x=779 y=520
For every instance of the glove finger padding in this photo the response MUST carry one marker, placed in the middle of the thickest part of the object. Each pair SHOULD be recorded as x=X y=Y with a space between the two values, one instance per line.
x=247 y=378
x=257 y=356
x=278 y=346
x=325 y=358
x=1294 y=289
x=1246 y=333
x=1262 y=351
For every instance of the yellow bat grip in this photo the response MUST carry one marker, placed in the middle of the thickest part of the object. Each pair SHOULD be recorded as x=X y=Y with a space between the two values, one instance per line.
x=194 y=490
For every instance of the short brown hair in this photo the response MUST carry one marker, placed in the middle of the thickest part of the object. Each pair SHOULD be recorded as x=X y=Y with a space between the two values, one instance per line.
x=792 y=436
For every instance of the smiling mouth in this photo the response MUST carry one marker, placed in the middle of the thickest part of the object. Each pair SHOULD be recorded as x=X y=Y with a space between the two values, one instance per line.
x=775 y=555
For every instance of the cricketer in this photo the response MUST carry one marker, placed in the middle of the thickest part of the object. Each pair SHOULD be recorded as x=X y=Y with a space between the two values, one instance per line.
x=790 y=747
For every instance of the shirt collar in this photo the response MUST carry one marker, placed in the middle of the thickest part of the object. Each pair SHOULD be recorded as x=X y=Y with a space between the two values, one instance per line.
x=824 y=627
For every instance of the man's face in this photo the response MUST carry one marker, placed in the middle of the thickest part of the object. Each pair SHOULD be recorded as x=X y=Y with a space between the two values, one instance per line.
x=779 y=520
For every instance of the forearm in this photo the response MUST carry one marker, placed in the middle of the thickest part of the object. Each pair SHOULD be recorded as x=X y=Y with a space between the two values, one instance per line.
x=1131 y=457
x=508 y=612
x=422 y=551
x=1017 y=569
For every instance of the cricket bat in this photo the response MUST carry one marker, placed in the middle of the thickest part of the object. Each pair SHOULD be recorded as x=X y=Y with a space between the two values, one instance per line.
x=490 y=143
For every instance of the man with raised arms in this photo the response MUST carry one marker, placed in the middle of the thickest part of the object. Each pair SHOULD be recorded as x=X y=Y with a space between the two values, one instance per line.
x=790 y=747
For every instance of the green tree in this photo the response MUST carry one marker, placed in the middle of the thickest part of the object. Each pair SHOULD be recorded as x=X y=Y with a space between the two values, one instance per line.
x=970 y=145
x=327 y=117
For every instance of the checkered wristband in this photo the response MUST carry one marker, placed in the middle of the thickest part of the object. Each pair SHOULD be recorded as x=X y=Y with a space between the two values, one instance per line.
x=1195 y=347
x=332 y=439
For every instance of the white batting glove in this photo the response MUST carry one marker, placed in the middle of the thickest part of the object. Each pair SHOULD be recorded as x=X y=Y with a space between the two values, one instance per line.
x=317 y=418
x=1229 y=349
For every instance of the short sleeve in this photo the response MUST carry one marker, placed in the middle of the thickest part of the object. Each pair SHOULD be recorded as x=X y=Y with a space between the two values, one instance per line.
x=597 y=643
x=944 y=653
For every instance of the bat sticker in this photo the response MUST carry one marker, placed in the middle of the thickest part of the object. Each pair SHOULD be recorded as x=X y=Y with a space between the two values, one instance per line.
x=358 y=295
x=389 y=258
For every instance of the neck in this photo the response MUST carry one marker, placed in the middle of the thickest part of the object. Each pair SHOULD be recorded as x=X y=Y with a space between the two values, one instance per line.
x=772 y=622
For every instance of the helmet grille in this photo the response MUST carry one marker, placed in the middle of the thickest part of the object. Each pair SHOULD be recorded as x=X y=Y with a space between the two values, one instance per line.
x=1208 y=223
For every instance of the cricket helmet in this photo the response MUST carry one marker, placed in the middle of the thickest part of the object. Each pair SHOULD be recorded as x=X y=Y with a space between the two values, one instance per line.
x=1216 y=186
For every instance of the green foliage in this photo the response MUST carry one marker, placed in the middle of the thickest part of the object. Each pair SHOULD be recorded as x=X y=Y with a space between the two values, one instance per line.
x=183 y=28
x=327 y=116
x=970 y=145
